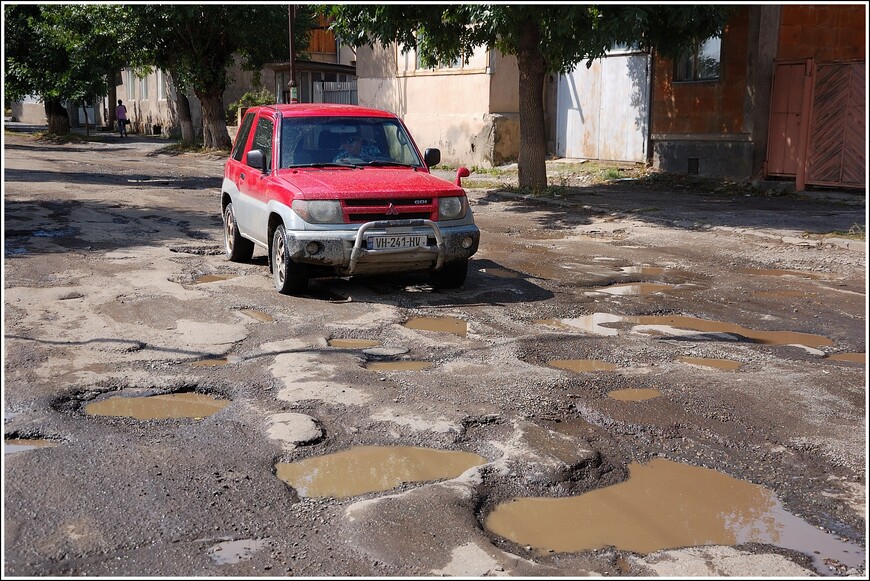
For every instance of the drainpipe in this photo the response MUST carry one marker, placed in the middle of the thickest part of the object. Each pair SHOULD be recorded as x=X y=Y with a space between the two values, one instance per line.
x=294 y=94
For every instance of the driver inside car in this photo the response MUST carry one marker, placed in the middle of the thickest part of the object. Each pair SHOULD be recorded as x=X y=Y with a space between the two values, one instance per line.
x=354 y=146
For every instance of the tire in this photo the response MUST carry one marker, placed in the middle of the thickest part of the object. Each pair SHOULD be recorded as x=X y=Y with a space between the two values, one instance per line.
x=451 y=276
x=290 y=277
x=237 y=247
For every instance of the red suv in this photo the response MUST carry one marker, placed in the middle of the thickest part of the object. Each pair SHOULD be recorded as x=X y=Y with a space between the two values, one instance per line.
x=340 y=190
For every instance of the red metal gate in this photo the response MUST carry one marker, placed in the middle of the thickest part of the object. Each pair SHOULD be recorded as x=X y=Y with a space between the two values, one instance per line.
x=817 y=124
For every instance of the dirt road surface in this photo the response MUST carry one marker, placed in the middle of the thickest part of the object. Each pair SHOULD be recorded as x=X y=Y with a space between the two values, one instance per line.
x=673 y=378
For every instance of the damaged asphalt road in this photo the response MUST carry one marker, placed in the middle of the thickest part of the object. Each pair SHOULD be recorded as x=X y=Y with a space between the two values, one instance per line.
x=633 y=381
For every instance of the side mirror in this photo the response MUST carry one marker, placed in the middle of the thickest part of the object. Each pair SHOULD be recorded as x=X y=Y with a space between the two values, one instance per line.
x=256 y=159
x=432 y=157
x=462 y=172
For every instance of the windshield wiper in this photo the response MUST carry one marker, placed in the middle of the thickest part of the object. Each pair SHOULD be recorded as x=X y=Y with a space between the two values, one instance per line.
x=390 y=163
x=323 y=164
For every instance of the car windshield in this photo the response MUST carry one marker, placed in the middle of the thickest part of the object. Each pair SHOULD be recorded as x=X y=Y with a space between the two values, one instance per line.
x=351 y=141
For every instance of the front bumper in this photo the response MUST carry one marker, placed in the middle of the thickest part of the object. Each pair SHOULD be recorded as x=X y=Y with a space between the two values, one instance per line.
x=346 y=252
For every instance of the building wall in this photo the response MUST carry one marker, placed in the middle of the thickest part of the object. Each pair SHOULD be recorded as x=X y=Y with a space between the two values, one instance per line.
x=826 y=33
x=470 y=112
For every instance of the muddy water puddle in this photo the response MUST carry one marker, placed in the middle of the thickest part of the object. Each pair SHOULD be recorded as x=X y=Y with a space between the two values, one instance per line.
x=257 y=315
x=634 y=394
x=636 y=289
x=673 y=325
x=849 y=357
x=353 y=343
x=229 y=552
x=582 y=365
x=399 y=365
x=158 y=407
x=366 y=469
x=666 y=505
x=207 y=278
x=439 y=324
x=13 y=445
x=720 y=364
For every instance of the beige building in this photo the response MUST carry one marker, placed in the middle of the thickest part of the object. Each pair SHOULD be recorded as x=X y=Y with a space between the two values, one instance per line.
x=470 y=111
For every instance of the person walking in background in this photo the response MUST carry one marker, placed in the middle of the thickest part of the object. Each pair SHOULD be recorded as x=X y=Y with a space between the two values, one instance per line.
x=121 y=112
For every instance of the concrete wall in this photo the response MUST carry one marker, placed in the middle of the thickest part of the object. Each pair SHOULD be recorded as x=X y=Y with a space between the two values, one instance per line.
x=469 y=113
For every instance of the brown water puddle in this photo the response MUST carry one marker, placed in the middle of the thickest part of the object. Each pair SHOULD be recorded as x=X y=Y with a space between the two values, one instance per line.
x=642 y=270
x=399 y=365
x=721 y=364
x=206 y=278
x=593 y=324
x=665 y=505
x=13 y=445
x=158 y=407
x=257 y=315
x=365 y=469
x=776 y=272
x=440 y=324
x=353 y=343
x=581 y=365
x=849 y=357
x=636 y=289
x=634 y=394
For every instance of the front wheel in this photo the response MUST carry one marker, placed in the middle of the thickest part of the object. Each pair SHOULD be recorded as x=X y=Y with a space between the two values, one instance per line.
x=237 y=247
x=451 y=276
x=290 y=277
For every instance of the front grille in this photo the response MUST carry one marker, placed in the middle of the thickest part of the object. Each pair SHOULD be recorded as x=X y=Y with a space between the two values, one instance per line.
x=360 y=217
x=374 y=203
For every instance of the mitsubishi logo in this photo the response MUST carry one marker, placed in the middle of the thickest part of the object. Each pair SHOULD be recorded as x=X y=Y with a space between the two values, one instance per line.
x=392 y=211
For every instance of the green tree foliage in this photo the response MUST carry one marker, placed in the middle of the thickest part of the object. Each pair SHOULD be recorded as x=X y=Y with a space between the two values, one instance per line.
x=199 y=43
x=544 y=38
x=62 y=53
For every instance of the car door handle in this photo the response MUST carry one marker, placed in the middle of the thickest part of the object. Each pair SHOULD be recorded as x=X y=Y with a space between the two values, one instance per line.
x=241 y=176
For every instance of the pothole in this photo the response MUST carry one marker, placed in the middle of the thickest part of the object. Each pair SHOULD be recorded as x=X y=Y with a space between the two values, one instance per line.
x=634 y=394
x=439 y=324
x=257 y=315
x=211 y=250
x=14 y=445
x=229 y=552
x=157 y=407
x=665 y=505
x=366 y=469
x=207 y=278
x=353 y=343
x=849 y=357
x=777 y=272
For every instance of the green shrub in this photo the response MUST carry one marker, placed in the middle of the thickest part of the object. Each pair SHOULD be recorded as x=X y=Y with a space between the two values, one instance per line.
x=261 y=97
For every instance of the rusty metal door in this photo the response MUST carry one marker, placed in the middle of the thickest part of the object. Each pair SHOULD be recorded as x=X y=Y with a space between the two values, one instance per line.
x=836 y=151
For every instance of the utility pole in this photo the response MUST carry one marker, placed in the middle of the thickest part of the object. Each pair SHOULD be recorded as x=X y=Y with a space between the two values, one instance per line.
x=294 y=92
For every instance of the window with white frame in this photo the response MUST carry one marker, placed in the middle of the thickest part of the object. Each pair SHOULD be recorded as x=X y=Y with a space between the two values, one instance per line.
x=700 y=64
x=161 y=86
x=130 y=84
x=143 y=88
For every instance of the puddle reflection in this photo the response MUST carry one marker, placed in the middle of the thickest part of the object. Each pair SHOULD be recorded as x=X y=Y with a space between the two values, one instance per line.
x=158 y=407
x=367 y=469
x=666 y=505
x=230 y=552
x=636 y=289
x=13 y=445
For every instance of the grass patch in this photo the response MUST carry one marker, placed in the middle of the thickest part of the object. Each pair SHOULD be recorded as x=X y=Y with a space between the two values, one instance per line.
x=855 y=232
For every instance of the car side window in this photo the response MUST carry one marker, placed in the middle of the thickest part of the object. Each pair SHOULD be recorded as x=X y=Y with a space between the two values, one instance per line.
x=263 y=139
x=242 y=137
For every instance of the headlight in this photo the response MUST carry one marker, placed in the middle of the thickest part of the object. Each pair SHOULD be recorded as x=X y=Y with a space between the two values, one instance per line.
x=452 y=208
x=319 y=211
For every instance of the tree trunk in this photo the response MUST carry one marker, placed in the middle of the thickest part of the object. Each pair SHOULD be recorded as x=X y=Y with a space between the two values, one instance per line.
x=58 y=118
x=87 y=121
x=533 y=135
x=214 y=121
x=185 y=119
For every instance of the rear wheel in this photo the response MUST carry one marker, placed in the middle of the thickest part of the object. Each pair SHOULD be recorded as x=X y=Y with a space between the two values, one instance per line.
x=238 y=248
x=290 y=277
x=452 y=275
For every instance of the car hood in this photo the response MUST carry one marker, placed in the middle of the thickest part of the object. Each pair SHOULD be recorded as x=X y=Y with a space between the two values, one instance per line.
x=329 y=183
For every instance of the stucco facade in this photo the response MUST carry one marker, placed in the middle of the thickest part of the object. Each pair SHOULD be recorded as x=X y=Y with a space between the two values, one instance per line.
x=469 y=111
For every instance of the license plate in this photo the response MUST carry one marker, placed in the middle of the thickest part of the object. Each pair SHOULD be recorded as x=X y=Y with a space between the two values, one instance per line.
x=395 y=242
